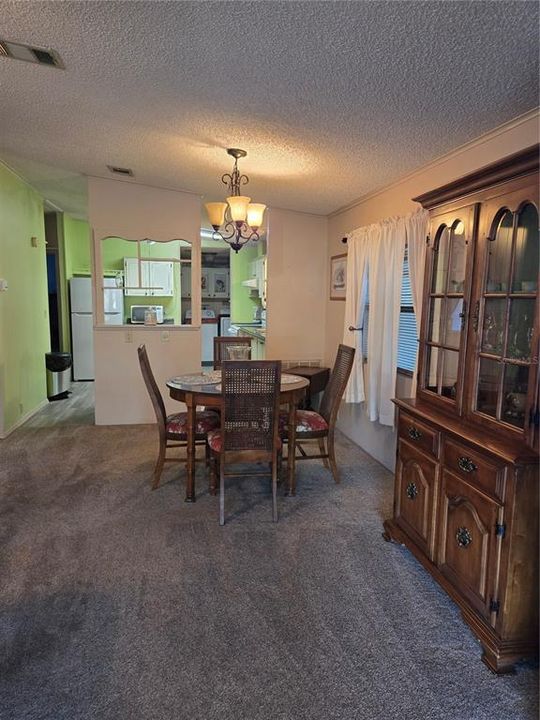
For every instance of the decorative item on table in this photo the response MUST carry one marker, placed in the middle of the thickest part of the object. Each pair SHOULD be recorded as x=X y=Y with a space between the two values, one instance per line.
x=237 y=352
x=211 y=378
x=240 y=218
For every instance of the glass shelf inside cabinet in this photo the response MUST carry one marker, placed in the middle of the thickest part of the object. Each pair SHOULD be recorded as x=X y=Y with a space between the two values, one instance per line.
x=508 y=316
x=446 y=310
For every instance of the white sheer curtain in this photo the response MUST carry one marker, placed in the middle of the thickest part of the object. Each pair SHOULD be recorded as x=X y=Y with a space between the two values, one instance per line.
x=386 y=254
x=416 y=227
x=358 y=247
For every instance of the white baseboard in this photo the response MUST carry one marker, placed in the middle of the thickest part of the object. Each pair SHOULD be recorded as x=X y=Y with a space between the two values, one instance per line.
x=23 y=419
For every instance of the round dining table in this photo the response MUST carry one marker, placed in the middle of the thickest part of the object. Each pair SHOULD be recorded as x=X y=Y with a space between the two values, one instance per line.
x=195 y=389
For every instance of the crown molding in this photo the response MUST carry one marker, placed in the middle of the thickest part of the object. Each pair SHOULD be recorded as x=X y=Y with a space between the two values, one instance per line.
x=482 y=139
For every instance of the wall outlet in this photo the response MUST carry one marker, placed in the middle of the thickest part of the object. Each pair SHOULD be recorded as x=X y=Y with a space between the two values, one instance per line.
x=129 y=336
x=165 y=336
x=3 y=285
x=34 y=241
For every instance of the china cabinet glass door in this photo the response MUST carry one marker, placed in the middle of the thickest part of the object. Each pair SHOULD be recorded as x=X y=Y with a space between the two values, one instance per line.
x=445 y=318
x=505 y=316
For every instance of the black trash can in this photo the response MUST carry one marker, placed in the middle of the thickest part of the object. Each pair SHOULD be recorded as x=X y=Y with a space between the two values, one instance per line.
x=58 y=366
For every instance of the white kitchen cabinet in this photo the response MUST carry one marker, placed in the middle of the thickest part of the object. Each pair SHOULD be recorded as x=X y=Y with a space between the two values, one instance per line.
x=162 y=278
x=156 y=278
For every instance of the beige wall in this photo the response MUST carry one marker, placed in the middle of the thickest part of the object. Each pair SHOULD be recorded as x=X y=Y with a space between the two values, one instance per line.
x=121 y=397
x=126 y=209
x=396 y=200
x=296 y=286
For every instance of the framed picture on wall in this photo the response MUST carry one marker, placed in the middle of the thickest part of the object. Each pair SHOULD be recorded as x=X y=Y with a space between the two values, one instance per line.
x=338 y=277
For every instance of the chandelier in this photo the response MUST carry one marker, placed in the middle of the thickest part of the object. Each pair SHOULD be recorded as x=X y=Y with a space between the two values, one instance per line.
x=238 y=218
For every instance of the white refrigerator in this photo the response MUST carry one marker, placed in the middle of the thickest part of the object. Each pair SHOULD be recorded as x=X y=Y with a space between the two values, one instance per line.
x=82 y=321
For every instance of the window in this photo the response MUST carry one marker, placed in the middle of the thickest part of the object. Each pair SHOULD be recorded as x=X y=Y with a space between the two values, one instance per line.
x=407 y=336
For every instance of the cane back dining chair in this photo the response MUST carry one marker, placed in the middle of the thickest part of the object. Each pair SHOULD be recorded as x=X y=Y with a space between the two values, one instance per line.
x=231 y=348
x=172 y=428
x=320 y=426
x=249 y=423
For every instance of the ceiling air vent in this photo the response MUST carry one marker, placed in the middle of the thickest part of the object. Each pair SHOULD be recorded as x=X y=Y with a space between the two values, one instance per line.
x=39 y=56
x=120 y=170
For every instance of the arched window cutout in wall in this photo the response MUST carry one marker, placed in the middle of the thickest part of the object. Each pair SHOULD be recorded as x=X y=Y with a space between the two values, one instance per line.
x=154 y=277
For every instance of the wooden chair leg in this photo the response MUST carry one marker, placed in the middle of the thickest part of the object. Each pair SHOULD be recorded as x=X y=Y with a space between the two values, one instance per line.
x=213 y=475
x=332 y=457
x=159 y=464
x=274 y=490
x=221 y=492
x=322 y=448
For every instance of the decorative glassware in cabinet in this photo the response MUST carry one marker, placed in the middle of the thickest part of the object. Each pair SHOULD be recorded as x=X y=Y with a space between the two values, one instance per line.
x=508 y=316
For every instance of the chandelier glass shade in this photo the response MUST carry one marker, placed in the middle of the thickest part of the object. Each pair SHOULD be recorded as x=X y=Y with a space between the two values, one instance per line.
x=238 y=220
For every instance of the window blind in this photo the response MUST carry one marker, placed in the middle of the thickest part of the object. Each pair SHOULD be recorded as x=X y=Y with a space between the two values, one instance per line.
x=407 y=334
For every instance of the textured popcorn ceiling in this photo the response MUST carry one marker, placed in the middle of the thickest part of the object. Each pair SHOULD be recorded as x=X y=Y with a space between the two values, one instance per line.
x=330 y=99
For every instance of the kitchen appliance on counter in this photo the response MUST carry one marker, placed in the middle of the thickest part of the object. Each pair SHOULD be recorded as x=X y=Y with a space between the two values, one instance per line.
x=138 y=313
x=82 y=321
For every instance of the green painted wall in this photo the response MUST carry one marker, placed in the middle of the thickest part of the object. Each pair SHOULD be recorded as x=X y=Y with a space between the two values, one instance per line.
x=74 y=253
x=242 y=305
x=77 y=246
x=24 y=313
x=114 y=250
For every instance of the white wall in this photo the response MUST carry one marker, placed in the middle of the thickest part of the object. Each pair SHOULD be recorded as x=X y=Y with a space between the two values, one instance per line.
x=510 y=138
x=296 y=286
x=133 y=211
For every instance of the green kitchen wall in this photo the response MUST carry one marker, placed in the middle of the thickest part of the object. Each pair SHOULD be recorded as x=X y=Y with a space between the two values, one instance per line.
x=77 y=246
x=242 y=305
x=24 y=314
x=114 y=250
x=75 y=250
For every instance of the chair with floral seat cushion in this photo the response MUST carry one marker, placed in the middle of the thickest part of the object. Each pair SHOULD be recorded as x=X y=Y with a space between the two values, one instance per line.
x=172 y=428
x=231 y=348
x=320 y=426
x=249 y=423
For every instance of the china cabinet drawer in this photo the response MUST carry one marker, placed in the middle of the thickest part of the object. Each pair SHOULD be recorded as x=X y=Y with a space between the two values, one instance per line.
x=418 y=434
x=474 y=467
x=416 y=496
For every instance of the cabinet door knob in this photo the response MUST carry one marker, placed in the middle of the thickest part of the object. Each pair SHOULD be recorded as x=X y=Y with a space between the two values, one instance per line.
x=411 y=491
x=463 y=537
x=466 y=464
x=414 y=433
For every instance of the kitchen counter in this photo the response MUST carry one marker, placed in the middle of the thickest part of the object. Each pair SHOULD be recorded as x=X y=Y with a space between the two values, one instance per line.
x=254 y=330
x=257 y=332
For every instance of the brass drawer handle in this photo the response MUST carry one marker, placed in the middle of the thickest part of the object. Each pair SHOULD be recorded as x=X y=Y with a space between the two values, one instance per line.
x=466 y=464
x=411 y=491
x=414 y=433
x=463 y=537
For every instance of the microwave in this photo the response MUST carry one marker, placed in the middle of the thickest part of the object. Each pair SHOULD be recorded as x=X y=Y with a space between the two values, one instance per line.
x=138 y=313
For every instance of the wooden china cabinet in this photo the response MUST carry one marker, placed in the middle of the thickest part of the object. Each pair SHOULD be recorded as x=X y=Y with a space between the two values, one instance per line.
x=466 y=487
